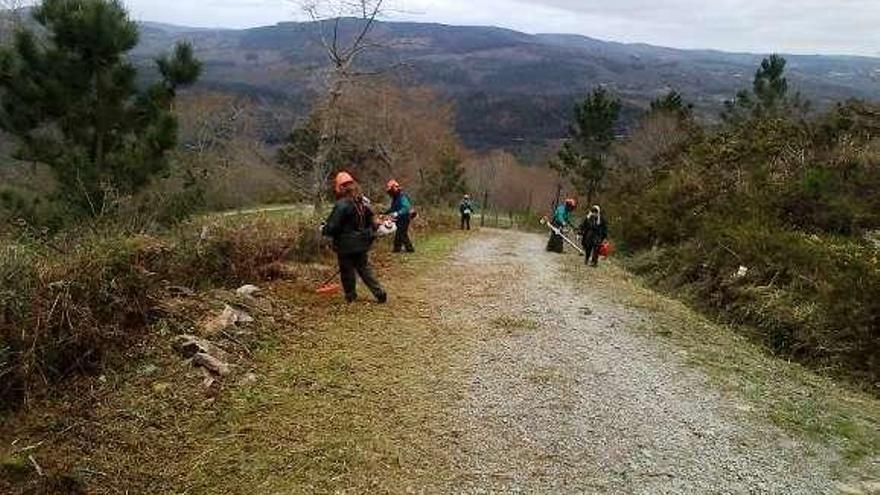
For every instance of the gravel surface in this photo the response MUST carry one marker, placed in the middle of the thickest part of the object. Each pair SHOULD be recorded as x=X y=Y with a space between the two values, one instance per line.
x=563 y=395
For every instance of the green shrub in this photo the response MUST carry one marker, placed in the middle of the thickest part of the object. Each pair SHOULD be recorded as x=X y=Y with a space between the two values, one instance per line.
x=792 y=201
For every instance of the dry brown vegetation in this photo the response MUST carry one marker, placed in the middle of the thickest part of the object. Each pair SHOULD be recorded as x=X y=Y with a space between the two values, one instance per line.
x=224 y=147
x=67 y=304
x=310 y=401
x=388 y=131
x=511 y=186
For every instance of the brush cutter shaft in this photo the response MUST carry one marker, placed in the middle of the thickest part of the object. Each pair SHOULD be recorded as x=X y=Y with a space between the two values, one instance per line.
x=556 y=230
x=331 y=278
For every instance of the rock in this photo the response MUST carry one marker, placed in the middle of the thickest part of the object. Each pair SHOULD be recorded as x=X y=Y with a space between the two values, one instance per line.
x=180 y=291
x=242 y=317
x=161 y=387
x=250 y=379
x=211 y=364
x=148 y=370
x=210 y=386
x=248 y=291
x=190 y=345
x=849 y=490
x=229 y=317
x=871 y=487
x=220 y=323
x=741 y=272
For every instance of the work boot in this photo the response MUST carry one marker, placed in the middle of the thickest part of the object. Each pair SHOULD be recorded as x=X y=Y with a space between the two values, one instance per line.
x=351 y=298
x=382 y=298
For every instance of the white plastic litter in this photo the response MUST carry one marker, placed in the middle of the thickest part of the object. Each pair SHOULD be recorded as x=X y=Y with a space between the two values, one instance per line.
x=248 y=291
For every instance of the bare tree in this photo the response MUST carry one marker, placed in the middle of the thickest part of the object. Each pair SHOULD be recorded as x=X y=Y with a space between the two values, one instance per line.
x=13 y=6
x=343 y=46
x=385 y=130
x=10 y=18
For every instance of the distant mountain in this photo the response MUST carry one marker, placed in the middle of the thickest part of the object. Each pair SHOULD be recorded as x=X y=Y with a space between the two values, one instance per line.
x=512 y=89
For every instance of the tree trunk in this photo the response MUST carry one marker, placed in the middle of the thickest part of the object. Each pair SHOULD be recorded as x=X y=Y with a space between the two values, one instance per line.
x=327 y=142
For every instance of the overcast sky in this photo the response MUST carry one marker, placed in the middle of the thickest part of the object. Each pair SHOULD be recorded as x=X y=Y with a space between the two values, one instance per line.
x=791 y=26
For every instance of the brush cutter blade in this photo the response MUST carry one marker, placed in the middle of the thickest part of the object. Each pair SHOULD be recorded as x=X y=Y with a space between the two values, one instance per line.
x=329 y=289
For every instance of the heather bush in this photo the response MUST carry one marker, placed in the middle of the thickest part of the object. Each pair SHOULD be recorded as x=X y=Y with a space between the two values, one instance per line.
x=767 y=223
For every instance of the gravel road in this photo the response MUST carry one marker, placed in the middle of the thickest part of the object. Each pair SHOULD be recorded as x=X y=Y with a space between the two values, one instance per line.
x=562 y=394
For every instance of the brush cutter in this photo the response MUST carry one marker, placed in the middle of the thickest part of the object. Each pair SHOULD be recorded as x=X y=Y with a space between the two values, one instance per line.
x=329 y=288
x=386 y=228
x=556 y=230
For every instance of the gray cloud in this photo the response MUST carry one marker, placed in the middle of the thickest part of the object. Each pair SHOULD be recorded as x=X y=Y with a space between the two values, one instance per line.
x=792 y=26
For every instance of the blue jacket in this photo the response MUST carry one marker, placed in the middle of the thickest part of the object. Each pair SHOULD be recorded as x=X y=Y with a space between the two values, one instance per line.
x=562 y=217
x=400 y=204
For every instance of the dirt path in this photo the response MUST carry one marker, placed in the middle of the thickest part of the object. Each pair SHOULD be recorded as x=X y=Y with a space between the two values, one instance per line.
x=496 y=368
x=563 y=395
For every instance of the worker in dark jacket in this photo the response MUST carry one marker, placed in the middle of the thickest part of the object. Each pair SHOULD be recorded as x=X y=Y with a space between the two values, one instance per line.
x=466 y=208
x=401 y=211
x=594 y=232
x=352 y=225
x=561 y=220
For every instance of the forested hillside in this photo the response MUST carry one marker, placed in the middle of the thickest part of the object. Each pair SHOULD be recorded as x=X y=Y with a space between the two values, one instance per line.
x=512 y=90
x=185 y=214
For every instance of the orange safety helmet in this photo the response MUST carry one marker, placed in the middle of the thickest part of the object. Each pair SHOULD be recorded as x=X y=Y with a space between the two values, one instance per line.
x=393 y=186
x=342 y=179
x=571 y=203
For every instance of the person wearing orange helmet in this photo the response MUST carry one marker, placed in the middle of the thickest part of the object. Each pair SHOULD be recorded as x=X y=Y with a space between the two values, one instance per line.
x=561 y=220
x=352 y=226
x=402 y=211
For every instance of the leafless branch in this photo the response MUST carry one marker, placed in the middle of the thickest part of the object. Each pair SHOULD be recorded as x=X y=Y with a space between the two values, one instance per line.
x=342 y=52
x=368 y=25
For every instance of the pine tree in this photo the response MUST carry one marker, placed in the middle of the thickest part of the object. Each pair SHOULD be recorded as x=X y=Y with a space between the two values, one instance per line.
x=447 y=182
x=769 y=96
x=71 y=100
x=771 y=86
x=583 y=157
x=672 y=103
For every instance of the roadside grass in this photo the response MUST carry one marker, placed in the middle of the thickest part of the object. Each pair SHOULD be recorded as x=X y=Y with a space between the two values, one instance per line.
x=327 y=398
x=514 y=325
x=801 y=402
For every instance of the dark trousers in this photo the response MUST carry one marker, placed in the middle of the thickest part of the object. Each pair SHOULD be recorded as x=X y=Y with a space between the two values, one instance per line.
x=401 y=238
x=592 y=250
x=465 y=222
x=352 y=265
x=555 y=244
